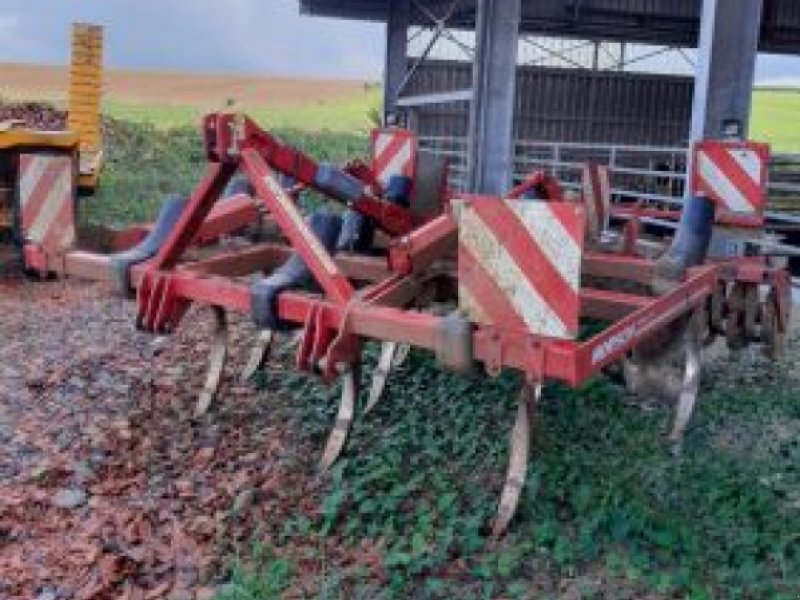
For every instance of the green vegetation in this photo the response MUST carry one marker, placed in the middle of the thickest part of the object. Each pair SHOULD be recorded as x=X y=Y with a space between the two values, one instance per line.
x=343 y=115
x=155 y=151
x=775 y=116
x=776 y=119
x=145 y=164
x=609 y=511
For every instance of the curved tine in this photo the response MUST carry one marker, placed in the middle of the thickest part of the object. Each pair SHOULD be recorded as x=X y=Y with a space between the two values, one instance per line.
x=691 y=382
x=403 y=351
x=518 y=459
x=294 y=341
x=216 y=365
x=344 y=418
x=259 y=355
x=381 y=374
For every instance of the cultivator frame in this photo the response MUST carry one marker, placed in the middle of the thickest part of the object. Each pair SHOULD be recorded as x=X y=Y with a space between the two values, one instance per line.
x=393 y=296
x=752 y=301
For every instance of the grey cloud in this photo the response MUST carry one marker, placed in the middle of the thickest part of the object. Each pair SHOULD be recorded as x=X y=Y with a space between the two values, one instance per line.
x=202 y=35
x=256 y=36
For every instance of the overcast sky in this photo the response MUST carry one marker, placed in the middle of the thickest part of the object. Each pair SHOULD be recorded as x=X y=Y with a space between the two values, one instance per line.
x=261 y=36
x=244 y=36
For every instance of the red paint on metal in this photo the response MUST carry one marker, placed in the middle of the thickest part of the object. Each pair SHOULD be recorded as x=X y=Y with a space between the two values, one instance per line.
x=32 y=205
x=383 y=161
x=426 y=244
x=543 y=275
x=326 y=273
x=545 y=185
x=493 y=303
x=753 y=192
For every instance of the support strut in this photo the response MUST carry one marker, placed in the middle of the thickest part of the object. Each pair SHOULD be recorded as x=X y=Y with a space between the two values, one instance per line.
x=216 y=364
x=652 y=370
x=520 y=443
x=691 y=380
x=386 y=362
x=259 y=354
x=344 y=417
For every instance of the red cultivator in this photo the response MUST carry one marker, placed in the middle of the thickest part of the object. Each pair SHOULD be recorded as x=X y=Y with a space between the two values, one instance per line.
x=486 y=284
x=752 y=299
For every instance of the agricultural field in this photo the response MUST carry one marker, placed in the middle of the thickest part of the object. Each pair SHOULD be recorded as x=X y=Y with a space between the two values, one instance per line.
x=232 y=507
x=776 y=119
x=170 y=100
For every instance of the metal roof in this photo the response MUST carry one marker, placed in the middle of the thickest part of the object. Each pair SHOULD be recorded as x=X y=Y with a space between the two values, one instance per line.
x=667 y=22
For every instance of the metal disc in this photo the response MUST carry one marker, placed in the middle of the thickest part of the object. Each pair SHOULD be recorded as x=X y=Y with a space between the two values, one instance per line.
x=344 y=418
x=650 y=368
x=381 y=374
x=518 y=459
x=259 y=355
x=752 y=312
x=216 y=365
x=734 y=326
x=717 y=309
x=772 y=336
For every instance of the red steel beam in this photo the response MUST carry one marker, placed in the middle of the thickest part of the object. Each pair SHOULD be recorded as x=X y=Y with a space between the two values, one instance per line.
x=565 y=360
x=618 y=339
x=267 y=256
x=418 y=250
x=227 y=216
x=195 y=213
x=282 y=208
x=639 y=270
x=610 y=306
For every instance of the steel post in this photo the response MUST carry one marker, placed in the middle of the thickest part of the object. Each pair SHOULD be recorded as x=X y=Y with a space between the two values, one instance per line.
x=396 y=52
x=491 y=147
x=728 y=47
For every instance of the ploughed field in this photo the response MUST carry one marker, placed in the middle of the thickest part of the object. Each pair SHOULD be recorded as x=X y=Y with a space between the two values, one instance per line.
x=21 y=81
x=166 y=99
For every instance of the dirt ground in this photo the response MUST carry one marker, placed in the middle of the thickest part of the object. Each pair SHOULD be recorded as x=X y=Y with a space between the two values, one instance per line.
x=50 y=83
x=108 y=486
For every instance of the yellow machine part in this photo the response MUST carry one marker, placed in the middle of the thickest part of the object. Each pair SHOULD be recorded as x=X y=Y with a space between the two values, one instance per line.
x=85 y=97
x=83 y=138
x=28 y=138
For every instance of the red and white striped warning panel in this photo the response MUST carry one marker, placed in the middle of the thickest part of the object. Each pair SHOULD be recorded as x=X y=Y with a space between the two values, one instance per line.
x=734 y=176
x=519 y=264
x=47 y=193
x=394 y=152
x=596 y=192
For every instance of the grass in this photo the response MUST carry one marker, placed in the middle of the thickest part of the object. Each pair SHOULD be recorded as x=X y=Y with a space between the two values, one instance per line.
x=155 y=151
x=341 y=115
x=776 y=119
x=146 y=164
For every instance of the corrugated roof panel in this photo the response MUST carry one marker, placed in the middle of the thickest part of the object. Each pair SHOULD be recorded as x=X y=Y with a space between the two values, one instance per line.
x=668 y=22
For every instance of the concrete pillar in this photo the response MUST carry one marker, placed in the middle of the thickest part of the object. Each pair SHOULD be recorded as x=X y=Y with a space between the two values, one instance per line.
x=726 y=60
x=491 y=131
x=397 y=23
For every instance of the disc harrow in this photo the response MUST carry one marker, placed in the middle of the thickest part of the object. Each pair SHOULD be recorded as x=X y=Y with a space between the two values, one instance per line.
x=484 y=284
